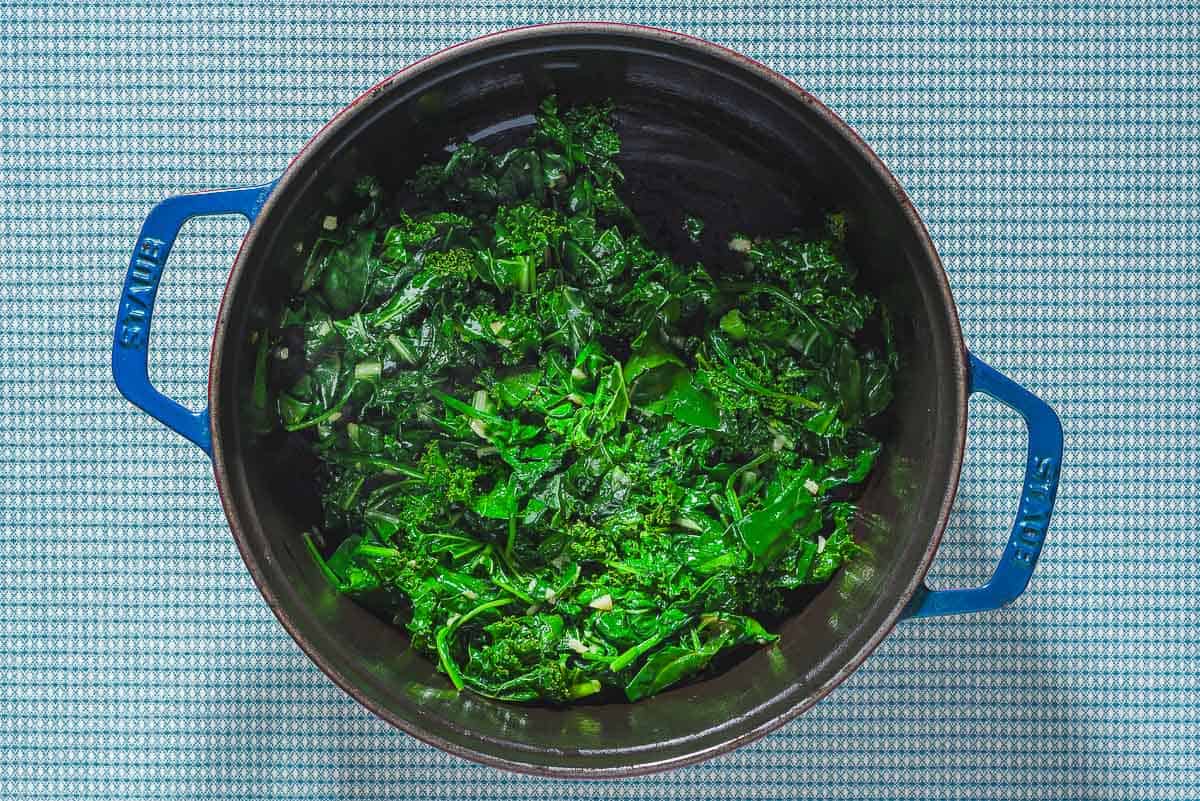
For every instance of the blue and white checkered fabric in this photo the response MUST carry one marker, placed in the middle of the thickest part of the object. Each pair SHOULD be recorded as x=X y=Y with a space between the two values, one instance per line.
x=1053 y=147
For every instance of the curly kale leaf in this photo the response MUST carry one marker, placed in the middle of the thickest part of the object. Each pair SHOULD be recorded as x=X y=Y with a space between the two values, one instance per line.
x=564 y=463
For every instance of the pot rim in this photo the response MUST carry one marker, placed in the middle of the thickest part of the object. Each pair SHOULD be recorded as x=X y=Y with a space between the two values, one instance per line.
x=737 y=60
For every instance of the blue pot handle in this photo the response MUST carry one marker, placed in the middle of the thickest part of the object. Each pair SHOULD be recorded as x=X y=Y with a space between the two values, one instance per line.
x=1033 y=514
x=131 y=341
x=130 y=365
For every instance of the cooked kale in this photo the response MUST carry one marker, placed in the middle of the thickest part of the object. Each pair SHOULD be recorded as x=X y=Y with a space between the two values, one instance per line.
x=561 y=460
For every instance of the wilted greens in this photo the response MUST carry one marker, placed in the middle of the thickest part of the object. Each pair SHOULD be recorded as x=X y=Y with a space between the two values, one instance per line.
x=564 y=463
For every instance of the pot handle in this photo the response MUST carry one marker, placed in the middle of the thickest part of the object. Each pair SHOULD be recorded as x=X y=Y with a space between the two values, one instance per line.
x=1033 y=513
x=131 y=340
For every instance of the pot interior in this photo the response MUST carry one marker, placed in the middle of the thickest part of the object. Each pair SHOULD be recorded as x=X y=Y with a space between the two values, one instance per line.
x=703 y=132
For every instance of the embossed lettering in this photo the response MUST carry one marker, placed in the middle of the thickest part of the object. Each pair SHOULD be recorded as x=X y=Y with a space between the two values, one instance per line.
x=143 y=280
x=1033 y=517
x=137 y=291
x=1043 y=467
x=132 y=335
x=150 y=249
x=1024 y=555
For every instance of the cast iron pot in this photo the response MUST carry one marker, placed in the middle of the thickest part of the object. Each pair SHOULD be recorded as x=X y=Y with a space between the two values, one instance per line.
x=704 y=129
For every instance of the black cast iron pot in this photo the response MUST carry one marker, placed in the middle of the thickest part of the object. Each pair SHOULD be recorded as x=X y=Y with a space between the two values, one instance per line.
x=704 y=129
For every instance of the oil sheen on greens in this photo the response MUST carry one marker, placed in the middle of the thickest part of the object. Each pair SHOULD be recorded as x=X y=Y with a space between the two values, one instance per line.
x=569 y=466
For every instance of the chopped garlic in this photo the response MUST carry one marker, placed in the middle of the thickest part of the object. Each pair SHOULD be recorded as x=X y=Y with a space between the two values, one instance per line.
x=820 y=544
x=532 y=584
x=603 y=603
x=551 y=596
x=479 y=428
x=812 y=486
x=329 y=223
x=471 y=594
x=740 y=244
x=497 y=326
x=282 y=353
x=299 y=247
x=576 y=646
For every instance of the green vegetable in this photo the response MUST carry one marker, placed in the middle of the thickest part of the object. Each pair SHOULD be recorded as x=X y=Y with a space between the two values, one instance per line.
x=567 y=465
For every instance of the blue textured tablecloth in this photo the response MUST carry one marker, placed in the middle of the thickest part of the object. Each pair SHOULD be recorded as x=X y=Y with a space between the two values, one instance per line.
x=1053 y=148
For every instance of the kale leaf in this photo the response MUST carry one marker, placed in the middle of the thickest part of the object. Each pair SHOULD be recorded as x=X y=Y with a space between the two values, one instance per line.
x=566 y=464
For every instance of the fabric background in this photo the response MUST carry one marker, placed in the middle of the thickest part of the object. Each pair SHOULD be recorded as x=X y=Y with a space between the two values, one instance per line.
x=1053 y=148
